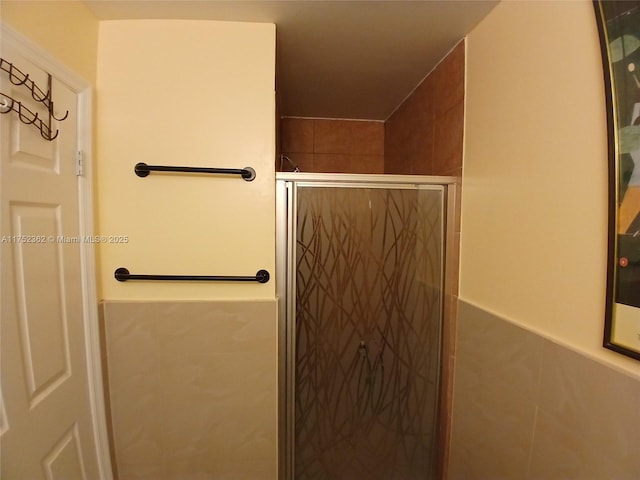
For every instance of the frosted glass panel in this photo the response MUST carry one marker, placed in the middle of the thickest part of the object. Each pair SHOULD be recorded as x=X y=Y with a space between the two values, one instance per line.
x=368 y=301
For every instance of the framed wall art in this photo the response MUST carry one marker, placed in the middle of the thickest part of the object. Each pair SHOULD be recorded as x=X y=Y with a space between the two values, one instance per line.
x=619 y=29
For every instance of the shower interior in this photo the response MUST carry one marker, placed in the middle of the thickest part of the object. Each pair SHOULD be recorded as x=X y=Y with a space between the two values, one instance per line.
x=360 y=286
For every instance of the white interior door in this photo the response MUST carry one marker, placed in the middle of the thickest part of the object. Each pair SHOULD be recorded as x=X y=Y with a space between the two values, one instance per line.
x=46 y=423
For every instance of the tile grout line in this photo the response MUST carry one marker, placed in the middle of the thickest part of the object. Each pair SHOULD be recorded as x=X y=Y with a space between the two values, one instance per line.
x=543 y=349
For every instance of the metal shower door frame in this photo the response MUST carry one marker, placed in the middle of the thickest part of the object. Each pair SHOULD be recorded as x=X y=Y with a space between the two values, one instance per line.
x=286 y=214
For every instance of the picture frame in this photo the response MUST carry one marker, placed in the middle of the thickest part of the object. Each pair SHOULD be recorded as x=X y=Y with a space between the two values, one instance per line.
x=619 y=31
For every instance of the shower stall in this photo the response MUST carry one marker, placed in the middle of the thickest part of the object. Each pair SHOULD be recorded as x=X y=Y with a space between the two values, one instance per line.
x=360 y=287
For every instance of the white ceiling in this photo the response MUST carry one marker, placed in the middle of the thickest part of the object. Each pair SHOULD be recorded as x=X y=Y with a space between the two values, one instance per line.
x=335 y=59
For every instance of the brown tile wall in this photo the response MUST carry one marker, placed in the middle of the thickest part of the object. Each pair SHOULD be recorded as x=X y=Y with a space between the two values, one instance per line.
x=424 y=135
x=332 y=146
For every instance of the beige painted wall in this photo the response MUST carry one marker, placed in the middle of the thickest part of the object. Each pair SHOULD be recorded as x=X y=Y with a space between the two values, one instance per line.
x=192 y=93
x=535 y=173
x=67 y=29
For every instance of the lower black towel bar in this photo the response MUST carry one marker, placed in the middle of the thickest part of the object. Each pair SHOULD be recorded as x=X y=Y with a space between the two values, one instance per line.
x=142 y=170
x=122 y=275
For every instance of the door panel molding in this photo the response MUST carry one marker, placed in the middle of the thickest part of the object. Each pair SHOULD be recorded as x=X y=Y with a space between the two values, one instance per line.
x=41 y=58
x=65 y=459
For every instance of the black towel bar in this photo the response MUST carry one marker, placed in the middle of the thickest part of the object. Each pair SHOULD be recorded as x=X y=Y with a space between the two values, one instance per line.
x=122 y=275
x=142 y=170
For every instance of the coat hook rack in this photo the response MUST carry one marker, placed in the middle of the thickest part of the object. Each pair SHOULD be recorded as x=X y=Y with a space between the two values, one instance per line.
x=26 y=115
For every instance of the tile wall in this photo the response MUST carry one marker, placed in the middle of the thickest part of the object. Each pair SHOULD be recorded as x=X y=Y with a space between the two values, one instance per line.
x=332 y=146
x=424 y=135
x=192 y=389
x=528 y=408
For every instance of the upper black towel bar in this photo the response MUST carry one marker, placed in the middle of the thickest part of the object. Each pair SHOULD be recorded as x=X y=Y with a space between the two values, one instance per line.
x=122 y=275
x=143 y=170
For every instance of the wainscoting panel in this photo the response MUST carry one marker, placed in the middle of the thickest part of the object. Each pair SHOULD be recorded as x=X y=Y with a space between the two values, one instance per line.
x=528 y=408
x=192 y=389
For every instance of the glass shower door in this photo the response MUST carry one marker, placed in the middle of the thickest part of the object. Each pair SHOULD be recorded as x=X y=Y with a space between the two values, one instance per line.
x=366 y=340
